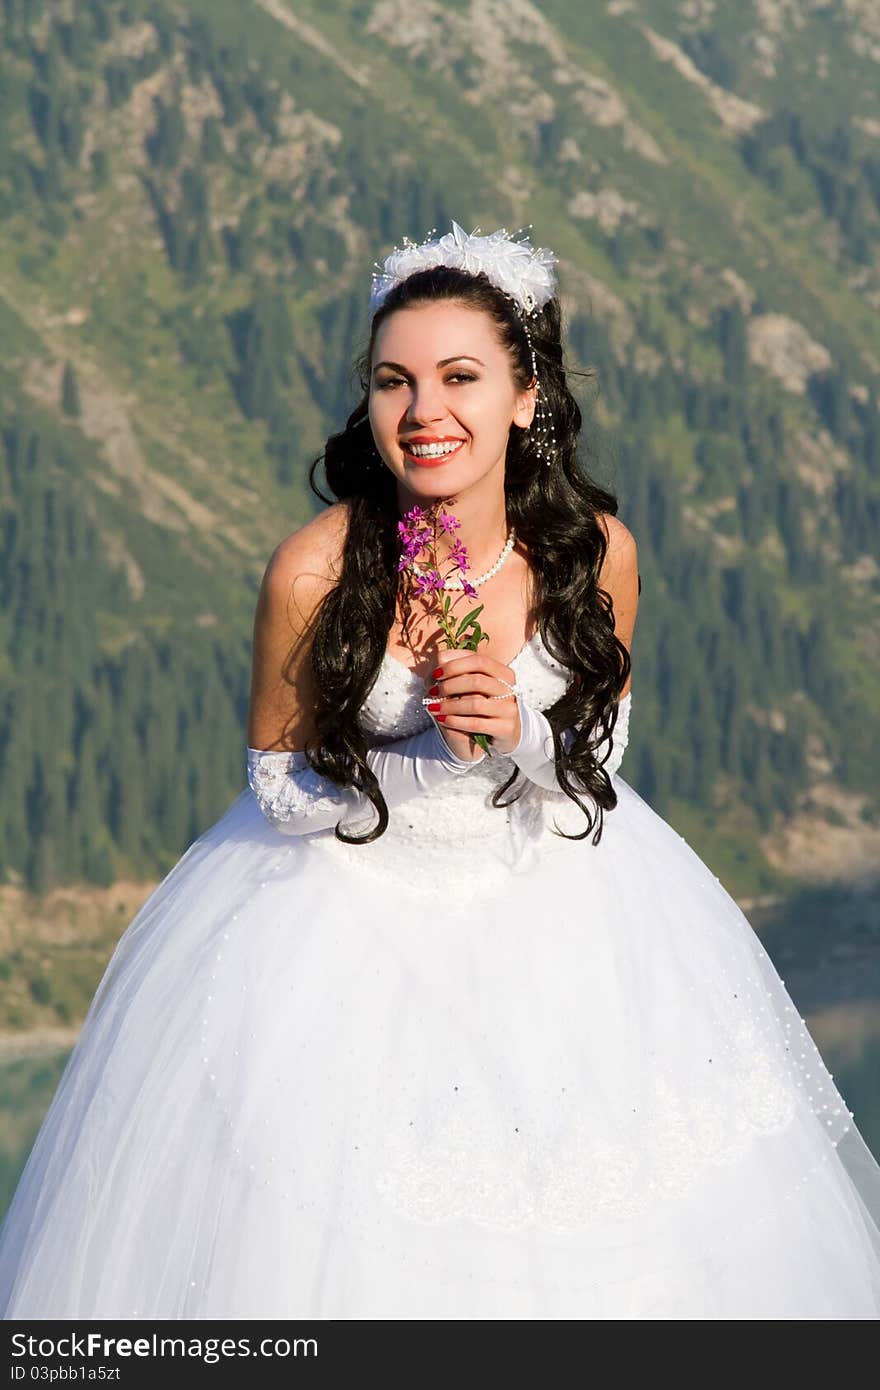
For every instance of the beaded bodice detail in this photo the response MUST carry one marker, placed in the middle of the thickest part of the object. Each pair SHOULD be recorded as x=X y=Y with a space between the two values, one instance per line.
x=425 y=830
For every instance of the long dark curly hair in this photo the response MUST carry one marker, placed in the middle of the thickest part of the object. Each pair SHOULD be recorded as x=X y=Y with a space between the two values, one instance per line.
x=555 y=512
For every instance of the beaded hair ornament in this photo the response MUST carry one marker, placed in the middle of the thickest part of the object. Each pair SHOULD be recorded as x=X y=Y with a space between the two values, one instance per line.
x=522 y=272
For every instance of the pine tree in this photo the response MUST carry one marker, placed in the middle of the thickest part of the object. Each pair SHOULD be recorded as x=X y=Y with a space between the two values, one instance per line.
x=733 y=338
x=70 y=391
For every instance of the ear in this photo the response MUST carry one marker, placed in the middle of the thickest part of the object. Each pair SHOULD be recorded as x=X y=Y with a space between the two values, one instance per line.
x=526 y=402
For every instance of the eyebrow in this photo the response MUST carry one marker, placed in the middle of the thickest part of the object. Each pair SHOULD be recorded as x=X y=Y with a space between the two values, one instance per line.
x=444 y=362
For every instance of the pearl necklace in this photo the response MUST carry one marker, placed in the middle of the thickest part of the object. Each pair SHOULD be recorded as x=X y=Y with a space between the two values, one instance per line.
x=481 y=579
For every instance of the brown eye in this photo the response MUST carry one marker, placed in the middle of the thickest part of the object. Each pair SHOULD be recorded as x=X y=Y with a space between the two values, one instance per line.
x=390 y=381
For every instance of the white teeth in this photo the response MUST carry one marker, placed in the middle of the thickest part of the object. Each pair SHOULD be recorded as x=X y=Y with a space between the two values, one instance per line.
x=433 y=450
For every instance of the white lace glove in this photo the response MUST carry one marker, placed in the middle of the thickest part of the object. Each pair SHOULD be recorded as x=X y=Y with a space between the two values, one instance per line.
x=533 y=754
x=297 y=800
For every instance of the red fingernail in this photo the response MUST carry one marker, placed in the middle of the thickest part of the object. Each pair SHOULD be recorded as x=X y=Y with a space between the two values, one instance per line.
x=435 y=690
x=441 y=718
x=435 y=704
x=437 y=673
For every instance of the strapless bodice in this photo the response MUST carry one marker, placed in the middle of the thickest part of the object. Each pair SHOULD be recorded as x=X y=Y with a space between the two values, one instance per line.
x=487 y=842
x=393 y=708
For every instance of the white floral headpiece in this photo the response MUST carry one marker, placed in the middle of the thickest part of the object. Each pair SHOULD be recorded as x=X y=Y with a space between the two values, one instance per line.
x=522 y=271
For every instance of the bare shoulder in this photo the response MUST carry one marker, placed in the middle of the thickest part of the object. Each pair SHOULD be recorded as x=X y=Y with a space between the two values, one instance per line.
x=622 y=553
x=302 y=569
x=307 y=563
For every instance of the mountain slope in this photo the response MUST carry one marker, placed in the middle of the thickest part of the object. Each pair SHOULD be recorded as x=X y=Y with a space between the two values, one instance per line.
x=192 y=197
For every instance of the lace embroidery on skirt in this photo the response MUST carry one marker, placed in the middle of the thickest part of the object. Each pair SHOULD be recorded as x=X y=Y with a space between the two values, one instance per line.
x=506 y=1177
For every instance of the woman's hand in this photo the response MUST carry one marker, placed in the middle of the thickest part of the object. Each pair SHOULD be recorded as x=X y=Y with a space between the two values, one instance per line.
x=468 y=682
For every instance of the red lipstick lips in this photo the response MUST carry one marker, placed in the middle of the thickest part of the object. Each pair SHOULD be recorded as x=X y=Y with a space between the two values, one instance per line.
x=428 y=460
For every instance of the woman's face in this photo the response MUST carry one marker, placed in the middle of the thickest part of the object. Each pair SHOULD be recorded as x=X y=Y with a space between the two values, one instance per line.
x=440 y=374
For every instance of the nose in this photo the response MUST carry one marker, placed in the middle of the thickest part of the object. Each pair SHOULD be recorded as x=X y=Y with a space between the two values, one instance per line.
x=426 y=406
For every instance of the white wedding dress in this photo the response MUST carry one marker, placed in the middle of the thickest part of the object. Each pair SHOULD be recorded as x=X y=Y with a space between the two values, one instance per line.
x=470 y=1070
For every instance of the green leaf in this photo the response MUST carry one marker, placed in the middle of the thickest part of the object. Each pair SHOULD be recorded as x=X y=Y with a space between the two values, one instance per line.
x=467 y=618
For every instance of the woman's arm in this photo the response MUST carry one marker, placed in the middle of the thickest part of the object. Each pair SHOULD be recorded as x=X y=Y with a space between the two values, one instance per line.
x=297 y=800
x=534 y=752
x=619 y=576
x=298 y=578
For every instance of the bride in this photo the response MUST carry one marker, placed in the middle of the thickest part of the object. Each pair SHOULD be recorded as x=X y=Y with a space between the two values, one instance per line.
x=441 y=1019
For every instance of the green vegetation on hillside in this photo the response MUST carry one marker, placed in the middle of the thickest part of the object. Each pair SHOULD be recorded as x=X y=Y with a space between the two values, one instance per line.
x=192 y=196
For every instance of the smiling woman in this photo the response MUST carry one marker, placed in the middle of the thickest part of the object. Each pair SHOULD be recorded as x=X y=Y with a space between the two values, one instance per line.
x=401 y=1036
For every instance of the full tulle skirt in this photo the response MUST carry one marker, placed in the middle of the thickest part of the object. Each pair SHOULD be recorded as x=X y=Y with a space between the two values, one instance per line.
x=308 y=1089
